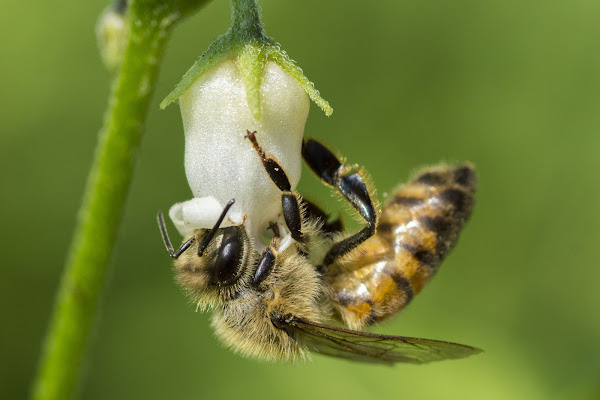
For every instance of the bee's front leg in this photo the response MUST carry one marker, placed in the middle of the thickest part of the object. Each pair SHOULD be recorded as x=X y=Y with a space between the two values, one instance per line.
x=290 y=201
x=266 y=263
x=165 y=236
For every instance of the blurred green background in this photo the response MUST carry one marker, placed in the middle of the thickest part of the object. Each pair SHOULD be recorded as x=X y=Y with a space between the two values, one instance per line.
x=512 y=86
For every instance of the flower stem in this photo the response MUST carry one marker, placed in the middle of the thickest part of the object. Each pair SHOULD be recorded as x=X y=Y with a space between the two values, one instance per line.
x=245 y=19
x=83 y=278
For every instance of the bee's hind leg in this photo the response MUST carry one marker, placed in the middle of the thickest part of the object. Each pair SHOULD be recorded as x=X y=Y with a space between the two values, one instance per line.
x=290 y=203
x=349 y=181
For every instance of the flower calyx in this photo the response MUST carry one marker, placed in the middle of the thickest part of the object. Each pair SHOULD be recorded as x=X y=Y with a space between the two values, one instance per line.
x=247 y=45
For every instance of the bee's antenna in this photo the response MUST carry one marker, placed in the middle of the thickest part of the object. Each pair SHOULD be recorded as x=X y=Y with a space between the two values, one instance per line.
x=165 y=236
x=208 y=237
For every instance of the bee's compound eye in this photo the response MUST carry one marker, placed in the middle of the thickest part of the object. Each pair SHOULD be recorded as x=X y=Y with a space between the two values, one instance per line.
x=228 y=264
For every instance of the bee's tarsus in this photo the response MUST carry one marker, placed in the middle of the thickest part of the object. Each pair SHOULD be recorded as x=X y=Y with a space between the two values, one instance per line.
x=264 y=267
x=291 y=214
x=289 y=200
x=275 y=171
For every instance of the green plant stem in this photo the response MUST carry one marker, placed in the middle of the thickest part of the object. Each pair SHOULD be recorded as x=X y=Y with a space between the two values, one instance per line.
x=245 y=19
x=83 y=278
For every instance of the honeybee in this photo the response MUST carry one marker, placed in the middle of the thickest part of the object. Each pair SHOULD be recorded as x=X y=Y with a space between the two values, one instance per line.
x=271 y=305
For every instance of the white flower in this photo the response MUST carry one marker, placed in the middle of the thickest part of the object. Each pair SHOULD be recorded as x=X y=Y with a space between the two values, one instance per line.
x=221 y=164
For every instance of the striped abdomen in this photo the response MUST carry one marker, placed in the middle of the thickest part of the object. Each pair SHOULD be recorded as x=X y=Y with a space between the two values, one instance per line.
x=419 y=225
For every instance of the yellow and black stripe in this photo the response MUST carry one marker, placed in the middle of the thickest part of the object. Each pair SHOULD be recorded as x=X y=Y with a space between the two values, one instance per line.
x=419 y=225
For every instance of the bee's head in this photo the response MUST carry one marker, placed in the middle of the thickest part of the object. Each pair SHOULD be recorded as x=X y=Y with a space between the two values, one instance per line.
x=212 y=261
x=222 y=259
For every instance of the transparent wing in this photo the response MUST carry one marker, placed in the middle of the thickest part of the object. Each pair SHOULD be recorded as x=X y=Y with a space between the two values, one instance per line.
x=374 y=348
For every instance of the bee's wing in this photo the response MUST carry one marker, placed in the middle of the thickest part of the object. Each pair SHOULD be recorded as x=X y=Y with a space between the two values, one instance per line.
x=370 y=347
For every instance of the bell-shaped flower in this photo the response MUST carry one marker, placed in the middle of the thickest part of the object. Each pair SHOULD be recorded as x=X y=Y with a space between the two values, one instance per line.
x=243 y=83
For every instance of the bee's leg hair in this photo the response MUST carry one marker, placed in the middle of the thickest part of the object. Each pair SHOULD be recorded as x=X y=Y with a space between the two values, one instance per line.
x=315 y=212
x=289 y=200
x=349 y=182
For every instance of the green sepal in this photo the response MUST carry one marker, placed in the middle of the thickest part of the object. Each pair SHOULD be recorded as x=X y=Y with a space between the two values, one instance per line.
x=247 y=44
x=218 y=51
x=251 y=61
x=280 y=57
